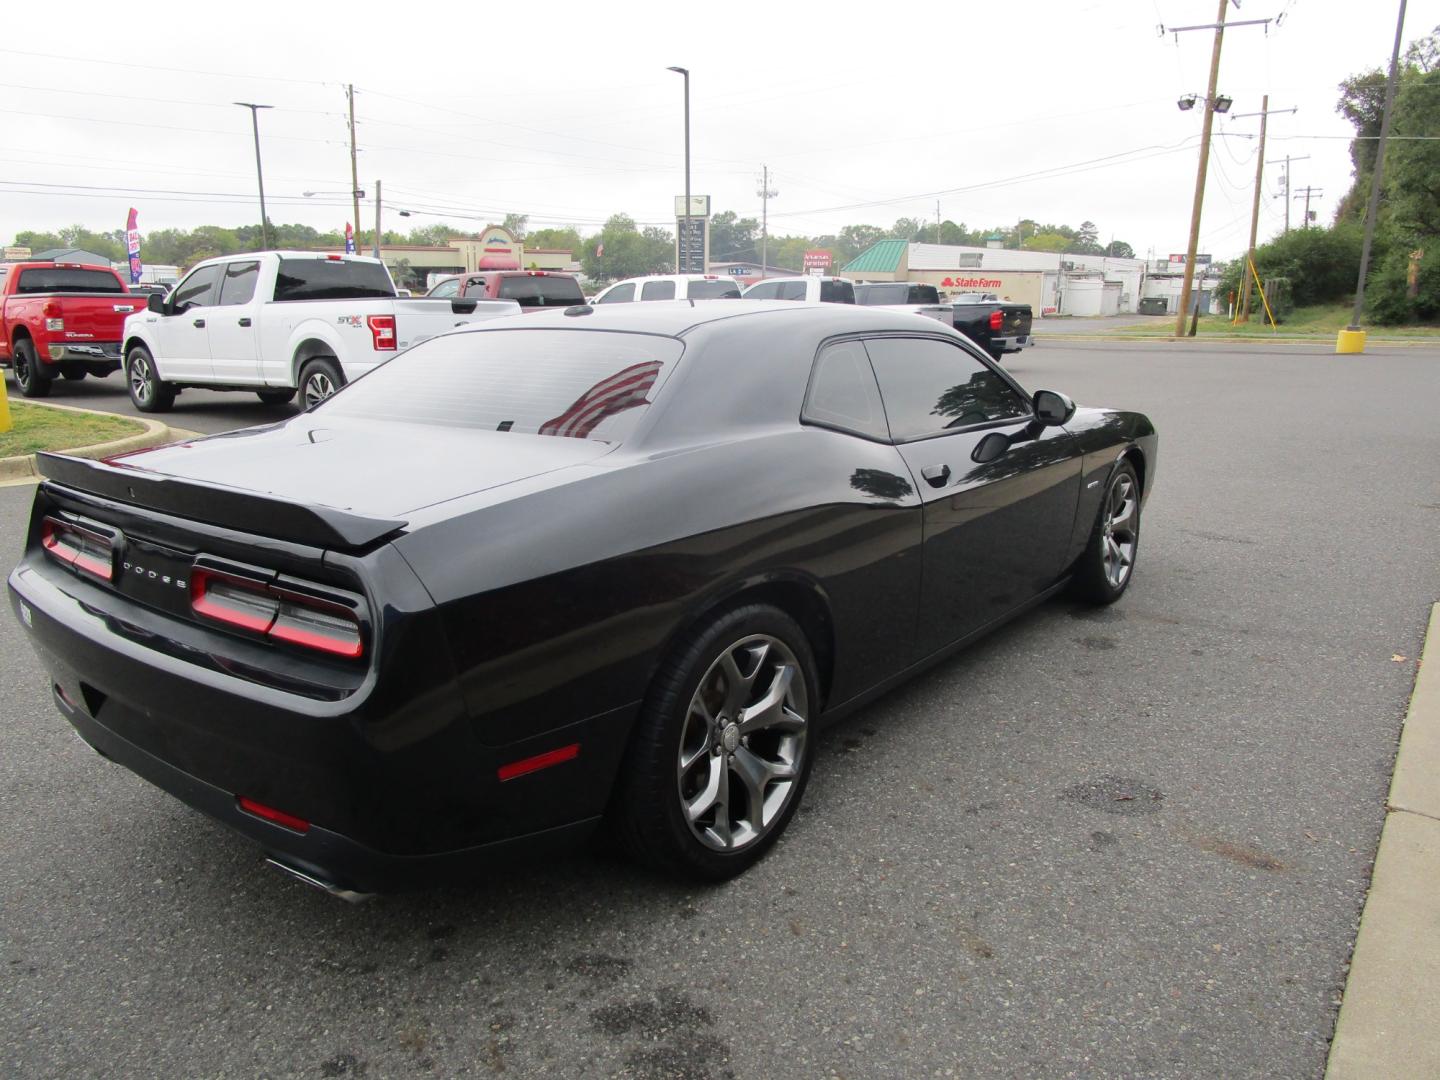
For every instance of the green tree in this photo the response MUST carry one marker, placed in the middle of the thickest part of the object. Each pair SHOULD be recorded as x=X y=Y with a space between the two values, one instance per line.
x=437 y=235
x=1119 y=249
x=854 y=239
x=555 y=240
x=906 y=228
x=622 y=251
x=1048 y=241
x=516 y=224
x=733 y=238
x=1321 y=264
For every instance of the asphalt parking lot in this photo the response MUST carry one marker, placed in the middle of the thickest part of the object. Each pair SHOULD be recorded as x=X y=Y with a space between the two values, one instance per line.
x=1129 y=842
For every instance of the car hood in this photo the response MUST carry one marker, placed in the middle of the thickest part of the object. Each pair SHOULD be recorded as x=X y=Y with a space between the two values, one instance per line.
x=375 y=469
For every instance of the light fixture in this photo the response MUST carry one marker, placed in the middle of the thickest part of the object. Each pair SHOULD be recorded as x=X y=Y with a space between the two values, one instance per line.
x=1186 y=103
x=1223 y=103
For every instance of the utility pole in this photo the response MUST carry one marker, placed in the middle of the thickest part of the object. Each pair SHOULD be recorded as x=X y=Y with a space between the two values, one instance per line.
x=1374 y=207
x=259 y=175
x=1308 y=192
x=377 y=219
x=1264 y=115
x=354 y=168
x=937 y=221
x=1194 y=246
x=689 y=240
x=766 y=194
x=1286 y=160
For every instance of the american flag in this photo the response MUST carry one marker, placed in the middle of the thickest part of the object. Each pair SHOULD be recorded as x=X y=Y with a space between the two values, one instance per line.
x=614 y=394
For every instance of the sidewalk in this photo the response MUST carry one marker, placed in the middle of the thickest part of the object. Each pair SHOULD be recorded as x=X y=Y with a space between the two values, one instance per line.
x=1389 y=1023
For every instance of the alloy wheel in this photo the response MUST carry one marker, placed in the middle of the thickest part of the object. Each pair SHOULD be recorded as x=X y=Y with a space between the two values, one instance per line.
x=1121 y=530
x=140 y=381
x=743 y=743
x=318 y=387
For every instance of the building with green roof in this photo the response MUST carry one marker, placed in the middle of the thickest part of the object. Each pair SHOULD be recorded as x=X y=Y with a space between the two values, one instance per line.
x=885 y=260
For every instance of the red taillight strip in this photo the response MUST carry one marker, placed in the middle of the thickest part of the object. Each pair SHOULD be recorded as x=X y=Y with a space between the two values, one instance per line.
x=539 y=761
x=276 y=612
x=270 y=814
x=59 y=540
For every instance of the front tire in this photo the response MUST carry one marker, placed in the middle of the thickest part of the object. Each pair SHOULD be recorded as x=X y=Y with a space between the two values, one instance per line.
x=723 y=747
x=29 y=376
x=147 y=391
x=319 y=378
x=1105 y=569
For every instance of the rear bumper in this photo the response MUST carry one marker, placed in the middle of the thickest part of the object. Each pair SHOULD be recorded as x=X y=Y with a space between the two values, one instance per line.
x=93 y=354
x=1010 y=344
x=398 y=789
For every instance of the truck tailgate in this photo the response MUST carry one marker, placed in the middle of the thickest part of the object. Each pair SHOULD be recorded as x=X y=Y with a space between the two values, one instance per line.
x=90 y=317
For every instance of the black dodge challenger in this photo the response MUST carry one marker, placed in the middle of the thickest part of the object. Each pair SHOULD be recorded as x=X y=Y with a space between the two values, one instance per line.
x=605 y=567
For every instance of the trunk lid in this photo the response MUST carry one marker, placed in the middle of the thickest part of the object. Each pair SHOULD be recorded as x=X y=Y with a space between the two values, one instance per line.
x=374 y=470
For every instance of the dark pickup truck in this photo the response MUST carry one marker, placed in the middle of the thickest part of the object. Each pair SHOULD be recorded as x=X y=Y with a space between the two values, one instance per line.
x=995 y=326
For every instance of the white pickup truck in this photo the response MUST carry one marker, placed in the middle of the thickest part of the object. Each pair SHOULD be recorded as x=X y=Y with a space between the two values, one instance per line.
x=276 y=322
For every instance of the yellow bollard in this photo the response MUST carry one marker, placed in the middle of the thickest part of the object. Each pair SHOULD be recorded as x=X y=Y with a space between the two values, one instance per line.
x=4 y=407
x=1350 y=342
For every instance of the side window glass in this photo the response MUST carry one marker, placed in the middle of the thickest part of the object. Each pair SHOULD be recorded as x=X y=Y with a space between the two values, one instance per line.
x=929 y=386
x=765 y=290
x=197 y=290
x=447 y=288
x=474 y=287
x=793 y=290
x=620 y=294
x=658 y=290
x=238 y=284
x=843 y=393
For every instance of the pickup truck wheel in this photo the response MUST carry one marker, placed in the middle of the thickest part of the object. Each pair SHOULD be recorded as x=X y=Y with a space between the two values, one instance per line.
x=275 y=397
x=147 y=391
x=319 y=378
x=33 y=381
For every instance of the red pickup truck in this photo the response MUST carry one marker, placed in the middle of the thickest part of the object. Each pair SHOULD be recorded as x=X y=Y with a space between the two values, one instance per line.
x=62 y=319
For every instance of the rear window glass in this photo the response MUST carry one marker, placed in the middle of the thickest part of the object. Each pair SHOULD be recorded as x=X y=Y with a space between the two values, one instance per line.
x=579 y=384
x=882 y=294
x=544 y=291
x=837 y=292
x=46 y=279
x=713 y=290
x=331 y=279
x=924 y=294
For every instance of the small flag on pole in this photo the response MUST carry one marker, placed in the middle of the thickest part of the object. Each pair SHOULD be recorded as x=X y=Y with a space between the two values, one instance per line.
x=600 y=250
x=349 y=239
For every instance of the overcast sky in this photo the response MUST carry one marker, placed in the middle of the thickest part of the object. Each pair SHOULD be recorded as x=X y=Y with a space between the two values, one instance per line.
x=566 y=112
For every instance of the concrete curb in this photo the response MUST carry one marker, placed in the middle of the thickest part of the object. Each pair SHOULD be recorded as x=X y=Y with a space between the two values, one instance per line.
x=1391 y=1012
x=21 y=467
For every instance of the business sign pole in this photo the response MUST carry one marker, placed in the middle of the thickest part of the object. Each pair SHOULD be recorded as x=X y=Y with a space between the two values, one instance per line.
x=132 y=246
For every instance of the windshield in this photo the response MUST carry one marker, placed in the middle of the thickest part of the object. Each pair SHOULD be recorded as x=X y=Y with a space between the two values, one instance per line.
x=64 y=279
x=579 y=384
x=331 y=279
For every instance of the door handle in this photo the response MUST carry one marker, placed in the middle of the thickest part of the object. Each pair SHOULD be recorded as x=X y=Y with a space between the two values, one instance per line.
x=244 y=321
x=936 y=475
x=199 y=323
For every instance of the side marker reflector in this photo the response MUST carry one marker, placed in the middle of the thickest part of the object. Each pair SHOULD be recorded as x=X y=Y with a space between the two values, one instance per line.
x=270 y=814
x=539 y=761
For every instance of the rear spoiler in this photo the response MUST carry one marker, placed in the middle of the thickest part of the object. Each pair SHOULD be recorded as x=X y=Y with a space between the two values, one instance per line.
x=229 y=508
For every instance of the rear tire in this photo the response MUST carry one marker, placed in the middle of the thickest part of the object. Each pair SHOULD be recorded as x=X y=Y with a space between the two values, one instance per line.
x=1105 y=569
x=319 y=378
x=722 y=748
x=147 y=391
x=275 y=397
x=29 y=377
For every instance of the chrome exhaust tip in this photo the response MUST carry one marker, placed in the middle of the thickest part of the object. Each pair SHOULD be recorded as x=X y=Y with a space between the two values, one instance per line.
x=350 y=896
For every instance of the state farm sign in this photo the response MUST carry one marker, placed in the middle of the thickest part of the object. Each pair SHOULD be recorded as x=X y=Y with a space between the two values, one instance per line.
x=972 y=283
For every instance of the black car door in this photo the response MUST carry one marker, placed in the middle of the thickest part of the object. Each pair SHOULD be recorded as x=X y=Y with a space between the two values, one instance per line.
x=995 y=533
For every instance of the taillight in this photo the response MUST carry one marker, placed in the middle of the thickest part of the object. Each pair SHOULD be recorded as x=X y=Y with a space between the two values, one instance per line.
x=51 y=309
x=87 y=550
x=382 y=332
x=997 y=319
x=274 y=611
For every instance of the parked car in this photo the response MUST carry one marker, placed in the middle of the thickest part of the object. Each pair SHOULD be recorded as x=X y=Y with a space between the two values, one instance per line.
x=667 y=543
x=670 y=287
x=61 y=320
x=279 y=321
x=810 y=289
x=996 y=326
x=914 y=297
x=528 y=288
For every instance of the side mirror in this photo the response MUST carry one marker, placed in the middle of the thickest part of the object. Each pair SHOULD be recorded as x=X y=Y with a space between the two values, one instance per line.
x=156 y=303
x=1052 y=408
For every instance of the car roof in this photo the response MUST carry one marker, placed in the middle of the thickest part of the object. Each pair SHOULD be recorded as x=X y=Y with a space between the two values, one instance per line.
x=676 y=318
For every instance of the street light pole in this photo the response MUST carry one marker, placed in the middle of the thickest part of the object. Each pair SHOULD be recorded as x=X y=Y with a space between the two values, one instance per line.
x=686 y=227
x=259 y=175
